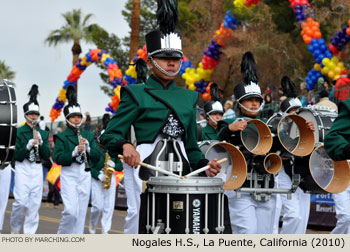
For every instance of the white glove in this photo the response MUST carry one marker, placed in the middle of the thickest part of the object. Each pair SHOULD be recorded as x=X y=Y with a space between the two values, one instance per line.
x=102 y=177
x=111 y=163
x=30 y=144
x=75 y=152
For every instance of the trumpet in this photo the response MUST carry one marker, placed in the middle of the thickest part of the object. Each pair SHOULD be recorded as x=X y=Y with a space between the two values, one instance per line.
x=108 y=172
x=36 y=146
x=87 y=166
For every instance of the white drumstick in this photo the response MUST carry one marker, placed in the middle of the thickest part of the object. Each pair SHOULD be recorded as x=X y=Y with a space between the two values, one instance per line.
x=155 y=168
x=203 y=168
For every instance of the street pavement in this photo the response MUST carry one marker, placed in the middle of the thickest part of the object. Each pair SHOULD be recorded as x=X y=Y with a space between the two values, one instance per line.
x=50 y=219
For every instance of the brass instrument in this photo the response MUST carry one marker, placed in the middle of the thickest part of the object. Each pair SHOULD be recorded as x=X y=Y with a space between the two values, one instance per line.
x=87 y=166
x=108 y=172
x=36 y=146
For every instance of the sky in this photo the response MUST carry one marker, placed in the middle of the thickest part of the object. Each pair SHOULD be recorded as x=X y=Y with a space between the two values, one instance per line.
x=24 y=26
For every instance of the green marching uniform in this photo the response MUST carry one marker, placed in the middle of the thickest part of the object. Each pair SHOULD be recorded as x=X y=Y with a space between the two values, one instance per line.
x=337 y=145
x=32 y=147
x=209 y=133
x=102 y=199
x=75 y=181
x=147 y=106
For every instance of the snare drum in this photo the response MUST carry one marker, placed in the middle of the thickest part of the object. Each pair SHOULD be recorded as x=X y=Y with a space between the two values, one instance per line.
x=192 y=205
x=322 y=120
x=8 y=122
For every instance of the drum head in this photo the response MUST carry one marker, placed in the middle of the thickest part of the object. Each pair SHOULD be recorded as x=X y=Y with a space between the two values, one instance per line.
x=309 y=116
x=234 y=170
x=331 y=176
x=294 y=136
x=8 y=121
x=257 y=137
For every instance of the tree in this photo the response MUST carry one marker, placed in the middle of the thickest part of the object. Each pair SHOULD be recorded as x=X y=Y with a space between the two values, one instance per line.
x=135 y=29
x=5 y=71
x=75 y=29
x=112 y=44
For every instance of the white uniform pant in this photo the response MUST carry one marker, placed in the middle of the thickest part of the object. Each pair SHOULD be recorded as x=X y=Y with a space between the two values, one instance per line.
x=296 y=210
x=28 y=192
x=249 y=216
x=5 y=181
x=342 y=209
x=102 y=200
x=133 y=186
x=75 y=194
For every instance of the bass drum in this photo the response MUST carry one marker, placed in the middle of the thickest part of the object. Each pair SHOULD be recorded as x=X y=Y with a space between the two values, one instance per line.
x=321 y=118
x=234 y=170
x=323 y=175
x=8 y=122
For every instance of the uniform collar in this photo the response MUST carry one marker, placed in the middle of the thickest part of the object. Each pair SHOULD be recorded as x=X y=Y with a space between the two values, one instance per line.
x=70 y=131
x=153 y=83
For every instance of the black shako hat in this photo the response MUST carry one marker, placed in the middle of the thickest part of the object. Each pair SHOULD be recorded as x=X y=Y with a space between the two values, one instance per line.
x=32 y=106
x=250 y=86
x=289 y=90
x=73 y=107
x=165 y=42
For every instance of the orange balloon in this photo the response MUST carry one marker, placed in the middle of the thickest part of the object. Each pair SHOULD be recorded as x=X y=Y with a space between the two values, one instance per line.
x=317 y=35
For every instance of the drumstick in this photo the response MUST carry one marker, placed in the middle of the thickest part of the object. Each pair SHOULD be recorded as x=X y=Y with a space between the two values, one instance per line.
x=154 y=168
x=203 y=168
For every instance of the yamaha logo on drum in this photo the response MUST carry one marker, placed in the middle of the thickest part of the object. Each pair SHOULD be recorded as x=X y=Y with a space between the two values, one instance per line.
x=196 y=203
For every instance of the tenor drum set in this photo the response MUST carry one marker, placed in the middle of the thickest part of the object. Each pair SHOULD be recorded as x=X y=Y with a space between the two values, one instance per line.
x=8 y=122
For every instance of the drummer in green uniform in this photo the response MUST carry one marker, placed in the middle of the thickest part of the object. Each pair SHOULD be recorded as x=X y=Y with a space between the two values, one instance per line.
x=160 y=112
x=337 y=145
x=248 y=213
x=213 y=111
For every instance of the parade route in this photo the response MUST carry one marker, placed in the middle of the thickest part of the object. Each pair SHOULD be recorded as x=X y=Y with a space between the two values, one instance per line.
x=49 y=219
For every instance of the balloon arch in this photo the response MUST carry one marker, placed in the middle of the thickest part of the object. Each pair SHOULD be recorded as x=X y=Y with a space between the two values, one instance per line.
x=198 y=78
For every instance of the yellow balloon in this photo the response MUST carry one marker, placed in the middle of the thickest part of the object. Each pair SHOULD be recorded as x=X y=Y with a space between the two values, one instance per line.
x=331 y=74
x=341 y=65
x=337 y=70
x=325 y=70
x=326 y=61
x=317 y=67
x=336 y=77
x=331 y=65
x=335 y=60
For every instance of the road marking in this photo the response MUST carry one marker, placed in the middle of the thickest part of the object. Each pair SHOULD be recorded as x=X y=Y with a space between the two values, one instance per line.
x=55 y=220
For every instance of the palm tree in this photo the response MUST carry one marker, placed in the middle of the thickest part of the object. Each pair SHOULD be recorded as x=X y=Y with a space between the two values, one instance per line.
x=75 y=29
x=5 y=71
x=135 y=28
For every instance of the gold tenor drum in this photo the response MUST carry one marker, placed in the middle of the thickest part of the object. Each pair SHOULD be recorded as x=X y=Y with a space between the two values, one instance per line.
x=234 y=171
x=323 y=174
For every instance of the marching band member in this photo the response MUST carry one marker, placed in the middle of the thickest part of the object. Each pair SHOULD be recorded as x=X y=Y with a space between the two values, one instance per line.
x=337 y=145
x=32 y=146
x=158 y=109
x=213 y=111
x=297 y=209
x=5 y=181
x=247 y=214
x=73 y=149
x=103 y=188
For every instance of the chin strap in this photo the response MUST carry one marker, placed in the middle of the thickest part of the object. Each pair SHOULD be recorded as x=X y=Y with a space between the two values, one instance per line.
x=253 y=111
x=74 y=125
x=215 y=122
x=32 y=121
x=163 y=71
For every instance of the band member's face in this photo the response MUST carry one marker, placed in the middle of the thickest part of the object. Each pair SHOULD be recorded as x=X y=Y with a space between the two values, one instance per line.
x=33 y=116
x=292 y=111
x=252 y=103
x=170 y=65
x=216 y=117
x=75 y=119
